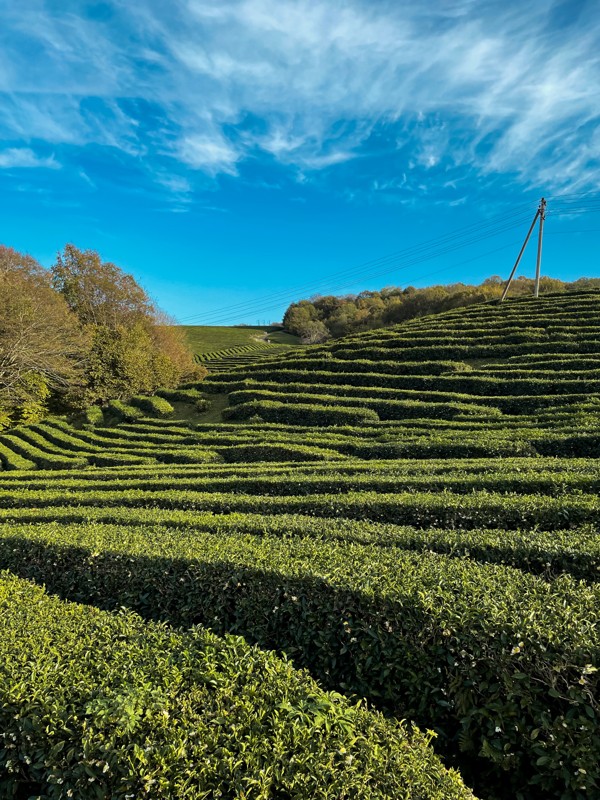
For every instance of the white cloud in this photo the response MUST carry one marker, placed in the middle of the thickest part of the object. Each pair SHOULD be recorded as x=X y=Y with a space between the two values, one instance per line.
x=19 y=157
x=309 y=81
x=211 y=154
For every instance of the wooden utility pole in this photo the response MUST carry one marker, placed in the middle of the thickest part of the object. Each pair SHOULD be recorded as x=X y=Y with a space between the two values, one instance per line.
x=542 y=214
x=514 y=269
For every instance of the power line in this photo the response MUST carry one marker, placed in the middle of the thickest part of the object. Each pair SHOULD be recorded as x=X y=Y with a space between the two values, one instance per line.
x=468 y=236
x=403 y=259
x=377 y=274
x=427 y=245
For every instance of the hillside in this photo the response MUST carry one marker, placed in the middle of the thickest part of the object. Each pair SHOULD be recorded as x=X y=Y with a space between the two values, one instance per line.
x=221 y=347
x=322 y=317
x=410 y=513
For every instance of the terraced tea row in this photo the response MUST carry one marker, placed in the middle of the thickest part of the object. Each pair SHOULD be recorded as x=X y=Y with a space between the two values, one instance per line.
x=412 y=514
x=218 y=360
x=449 y=367
x=138 y=710
x=383 y=614
x=55 y=444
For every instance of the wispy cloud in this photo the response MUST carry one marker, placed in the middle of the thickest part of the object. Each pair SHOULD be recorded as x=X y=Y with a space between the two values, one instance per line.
x=19 y=157
x=487 y=86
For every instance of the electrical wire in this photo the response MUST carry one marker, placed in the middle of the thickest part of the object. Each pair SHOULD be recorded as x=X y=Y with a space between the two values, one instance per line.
x=370 y=276
x=429 y=244
x=419 y=253
x=401 y=260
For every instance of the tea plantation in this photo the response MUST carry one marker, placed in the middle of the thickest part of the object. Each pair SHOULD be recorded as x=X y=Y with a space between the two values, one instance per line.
x=375 y=577
x=223 y=347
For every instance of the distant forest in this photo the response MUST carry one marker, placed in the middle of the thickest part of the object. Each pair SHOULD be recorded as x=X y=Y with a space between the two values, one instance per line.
x=327 y=317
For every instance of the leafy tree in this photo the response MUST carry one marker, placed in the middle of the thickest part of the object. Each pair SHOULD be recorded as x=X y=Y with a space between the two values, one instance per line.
x=41 y=343
x=321 y=317
x=133 y=347
x=97 y=291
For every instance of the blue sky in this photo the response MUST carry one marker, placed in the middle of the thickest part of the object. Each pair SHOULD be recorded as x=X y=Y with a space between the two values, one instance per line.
x=237 y=154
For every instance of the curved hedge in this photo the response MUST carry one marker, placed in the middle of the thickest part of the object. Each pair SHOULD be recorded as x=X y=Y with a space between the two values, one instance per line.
x=103 y=706
x=505 y=661
x=307 y=414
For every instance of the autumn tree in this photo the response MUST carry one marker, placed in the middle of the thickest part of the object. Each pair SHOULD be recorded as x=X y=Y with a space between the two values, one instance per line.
x=132 y=348
x=42 y=345
x=322 y=317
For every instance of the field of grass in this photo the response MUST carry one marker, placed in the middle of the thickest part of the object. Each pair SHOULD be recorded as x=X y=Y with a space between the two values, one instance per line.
x=220 y=348
x=408 y=517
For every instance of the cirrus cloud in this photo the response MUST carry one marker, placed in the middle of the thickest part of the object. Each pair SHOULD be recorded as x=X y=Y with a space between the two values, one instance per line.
x=310 y=84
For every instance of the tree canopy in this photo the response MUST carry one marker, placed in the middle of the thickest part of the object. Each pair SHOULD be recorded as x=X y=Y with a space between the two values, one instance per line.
x=84 y=332
x=325 y=317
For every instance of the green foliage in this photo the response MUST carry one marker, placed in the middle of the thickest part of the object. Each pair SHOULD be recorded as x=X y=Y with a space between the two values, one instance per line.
x=153 y=406
x=323 y=317
x=206 y=339
x=94 y=415
x=124 y=411
x=502 y=657
x=140 y=710
x=273 y=411
x=454 y=583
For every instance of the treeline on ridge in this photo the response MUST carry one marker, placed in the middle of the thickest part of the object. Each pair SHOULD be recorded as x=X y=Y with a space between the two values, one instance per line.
x=80 y=333
x=327 y=317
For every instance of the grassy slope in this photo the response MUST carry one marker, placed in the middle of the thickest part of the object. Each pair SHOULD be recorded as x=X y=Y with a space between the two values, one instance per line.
x=209 y=338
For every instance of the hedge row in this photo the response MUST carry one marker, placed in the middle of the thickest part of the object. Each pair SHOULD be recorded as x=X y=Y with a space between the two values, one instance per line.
x=421 y=509
x=575 y=551
x=504 y=660
x=308 y=414
x=123 y=411
x=332 y=364
x=179 y=395
x=111 y=707
x=383 y=480
x=93 y=415
x=385 y=409
x=9 y=459
x=153 y=406
x=564 y=470
x=33 y=453
x=459 y=352
x=464 y=384
x=334 y=385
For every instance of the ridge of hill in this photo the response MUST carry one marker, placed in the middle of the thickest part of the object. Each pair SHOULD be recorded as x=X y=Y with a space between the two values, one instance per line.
x=411 y=514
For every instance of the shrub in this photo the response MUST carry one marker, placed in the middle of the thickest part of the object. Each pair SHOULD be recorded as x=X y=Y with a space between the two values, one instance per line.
x=94 y=415
x=153 y=406
x=138 y=710
x=123 y=411
x=180 y=395
x=302 y=413
x=503 y=659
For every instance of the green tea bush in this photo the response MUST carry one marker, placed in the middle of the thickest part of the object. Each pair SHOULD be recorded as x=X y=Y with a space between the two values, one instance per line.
x=505 y=661
x=139 y=710
x=153 y=406
x=277 y=452
x=93 y=415
x=180 y=395
x=307 y=414
x=124 y=411
x=9 y=459
x=420 y=509
x=19 y=443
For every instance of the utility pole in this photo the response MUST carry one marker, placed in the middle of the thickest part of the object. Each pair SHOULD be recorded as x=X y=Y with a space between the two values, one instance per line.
x=514 y=269
x=542 y=213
